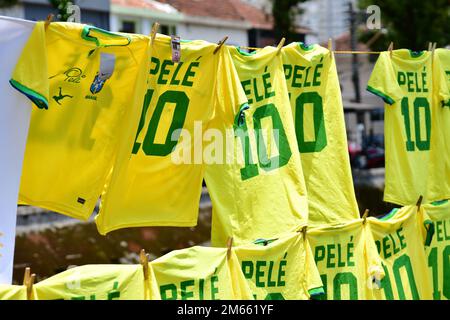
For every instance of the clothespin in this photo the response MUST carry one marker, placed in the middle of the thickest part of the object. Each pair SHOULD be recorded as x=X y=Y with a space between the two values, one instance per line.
x=419 y=202
x=229 y=246
x=365 y=215
x=430 y=44
x=330 y=47
x=144 y=262
x=48 y=20
x=303 y=231
x=390 y=48
x=280 y=45
x=155 y=28
x=220 y=44
x=433 y=47
x=28 y=281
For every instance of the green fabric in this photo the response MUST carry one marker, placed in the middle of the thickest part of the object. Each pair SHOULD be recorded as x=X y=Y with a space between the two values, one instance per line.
x=39 y=100
x=386 y=98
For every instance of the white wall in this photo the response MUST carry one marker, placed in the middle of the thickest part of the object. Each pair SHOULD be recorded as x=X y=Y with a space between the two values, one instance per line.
x=212 y=34
x=16 y=12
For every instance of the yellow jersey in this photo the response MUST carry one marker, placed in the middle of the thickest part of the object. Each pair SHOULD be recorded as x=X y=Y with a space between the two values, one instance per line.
x=9 y=292
x=316 y=103
x=282 y=269
x=200 y=273
x=86 y=85
x=94 y=282
x=436 y=220
x=261 y=192
x=159 y=181
x=347 y=259
x=400 y=239
x=405 y=82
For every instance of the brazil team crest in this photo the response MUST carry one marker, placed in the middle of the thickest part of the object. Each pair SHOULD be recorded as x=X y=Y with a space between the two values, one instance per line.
x=97 y=84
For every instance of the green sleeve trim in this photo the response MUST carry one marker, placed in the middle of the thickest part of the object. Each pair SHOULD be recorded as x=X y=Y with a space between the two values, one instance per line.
x=239 y=119
x=429 y=226
x=39 y=100
x=87 y=29
x=376 y=92
x=316 y=293
x=439 y=202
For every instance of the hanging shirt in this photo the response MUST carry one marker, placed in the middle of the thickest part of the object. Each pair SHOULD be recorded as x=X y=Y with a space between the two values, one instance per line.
x=200 y=273
x=260 y=192
x=316 y=102
x=94 y=282
x=87 y=85
x=281 y=270
x=347 y=260
x=436 y=221
x=9 y=292
x=14 y=122
x=400 y=238
x=159 y=182
x=405 y=83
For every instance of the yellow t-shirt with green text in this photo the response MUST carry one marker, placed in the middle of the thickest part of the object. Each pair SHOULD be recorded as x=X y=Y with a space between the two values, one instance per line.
x=9 y=292
x=347 y=259
x=87 y=85
x=436 y=220
x=316 y=102
x=260 y=192
x=282 y=269
x=200 y=273
x=400 y=238
x=405 y=83
x=158 y=181
x=97 y=282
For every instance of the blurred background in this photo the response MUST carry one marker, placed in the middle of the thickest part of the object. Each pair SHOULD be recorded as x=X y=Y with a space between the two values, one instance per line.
x=50 y=243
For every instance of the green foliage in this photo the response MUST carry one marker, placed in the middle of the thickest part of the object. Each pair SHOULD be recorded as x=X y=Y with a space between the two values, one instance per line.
x=284 y=13
x=61 y=6
x=7 y=3
x=410 y=24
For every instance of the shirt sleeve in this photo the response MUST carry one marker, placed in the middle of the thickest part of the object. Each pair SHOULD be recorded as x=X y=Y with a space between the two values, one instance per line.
x=383 y=82
x=442 y=81
x=314 y=284
x=30 y=75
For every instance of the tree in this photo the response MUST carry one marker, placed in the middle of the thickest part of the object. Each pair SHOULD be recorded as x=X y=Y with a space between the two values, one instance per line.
x=410 y=24
x=284 y=13
x=7 y=3
x=61 y=6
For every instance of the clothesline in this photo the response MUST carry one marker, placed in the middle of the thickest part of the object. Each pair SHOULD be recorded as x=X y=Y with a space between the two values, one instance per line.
x=338 y=52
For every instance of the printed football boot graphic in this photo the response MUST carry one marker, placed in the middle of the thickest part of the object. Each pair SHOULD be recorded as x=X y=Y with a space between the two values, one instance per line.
x=61 y=96
x=97 y=84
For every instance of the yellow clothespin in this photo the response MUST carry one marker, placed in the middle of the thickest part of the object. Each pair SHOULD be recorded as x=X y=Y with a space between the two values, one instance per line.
x=419 y=203
x=330 y=47
x=155 y=28
x=28 y=281
x=390 y=48
x=229 y=246
x=144 y=262
x=280 y=45
x=365 y=215
x=220 y=44
x=48 y=20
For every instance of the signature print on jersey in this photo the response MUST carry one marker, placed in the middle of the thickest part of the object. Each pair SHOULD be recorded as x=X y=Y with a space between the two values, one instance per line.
x=73 y=75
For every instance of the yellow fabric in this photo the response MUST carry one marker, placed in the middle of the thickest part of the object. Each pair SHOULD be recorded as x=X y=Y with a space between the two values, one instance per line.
x=347 y=260
x=74 y=133
x=94 y=282
x=405 y=82
x=436 y=220
x=316 y=102
x=160 y=183
x=281 y=270
x=261 y=193
x=400 y=242
x=200 y=273
x=8 y=292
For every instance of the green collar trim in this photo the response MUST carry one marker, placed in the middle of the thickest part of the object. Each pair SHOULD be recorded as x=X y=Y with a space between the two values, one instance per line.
x=85 y=34
x=306 y=47
x=415 y=54
x=244 y=53
x=389 y=215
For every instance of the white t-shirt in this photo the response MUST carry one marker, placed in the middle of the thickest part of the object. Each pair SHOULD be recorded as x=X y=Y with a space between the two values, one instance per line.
x=14 y=121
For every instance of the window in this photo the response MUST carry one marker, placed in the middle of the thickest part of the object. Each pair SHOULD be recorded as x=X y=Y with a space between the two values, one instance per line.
x=168 y=30
x=128 y=27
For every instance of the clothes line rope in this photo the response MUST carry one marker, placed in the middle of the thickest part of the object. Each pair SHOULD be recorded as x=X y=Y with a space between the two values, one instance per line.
x=338 y=52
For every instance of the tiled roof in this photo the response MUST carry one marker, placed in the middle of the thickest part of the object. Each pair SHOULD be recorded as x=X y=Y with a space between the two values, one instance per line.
x=145 y=4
